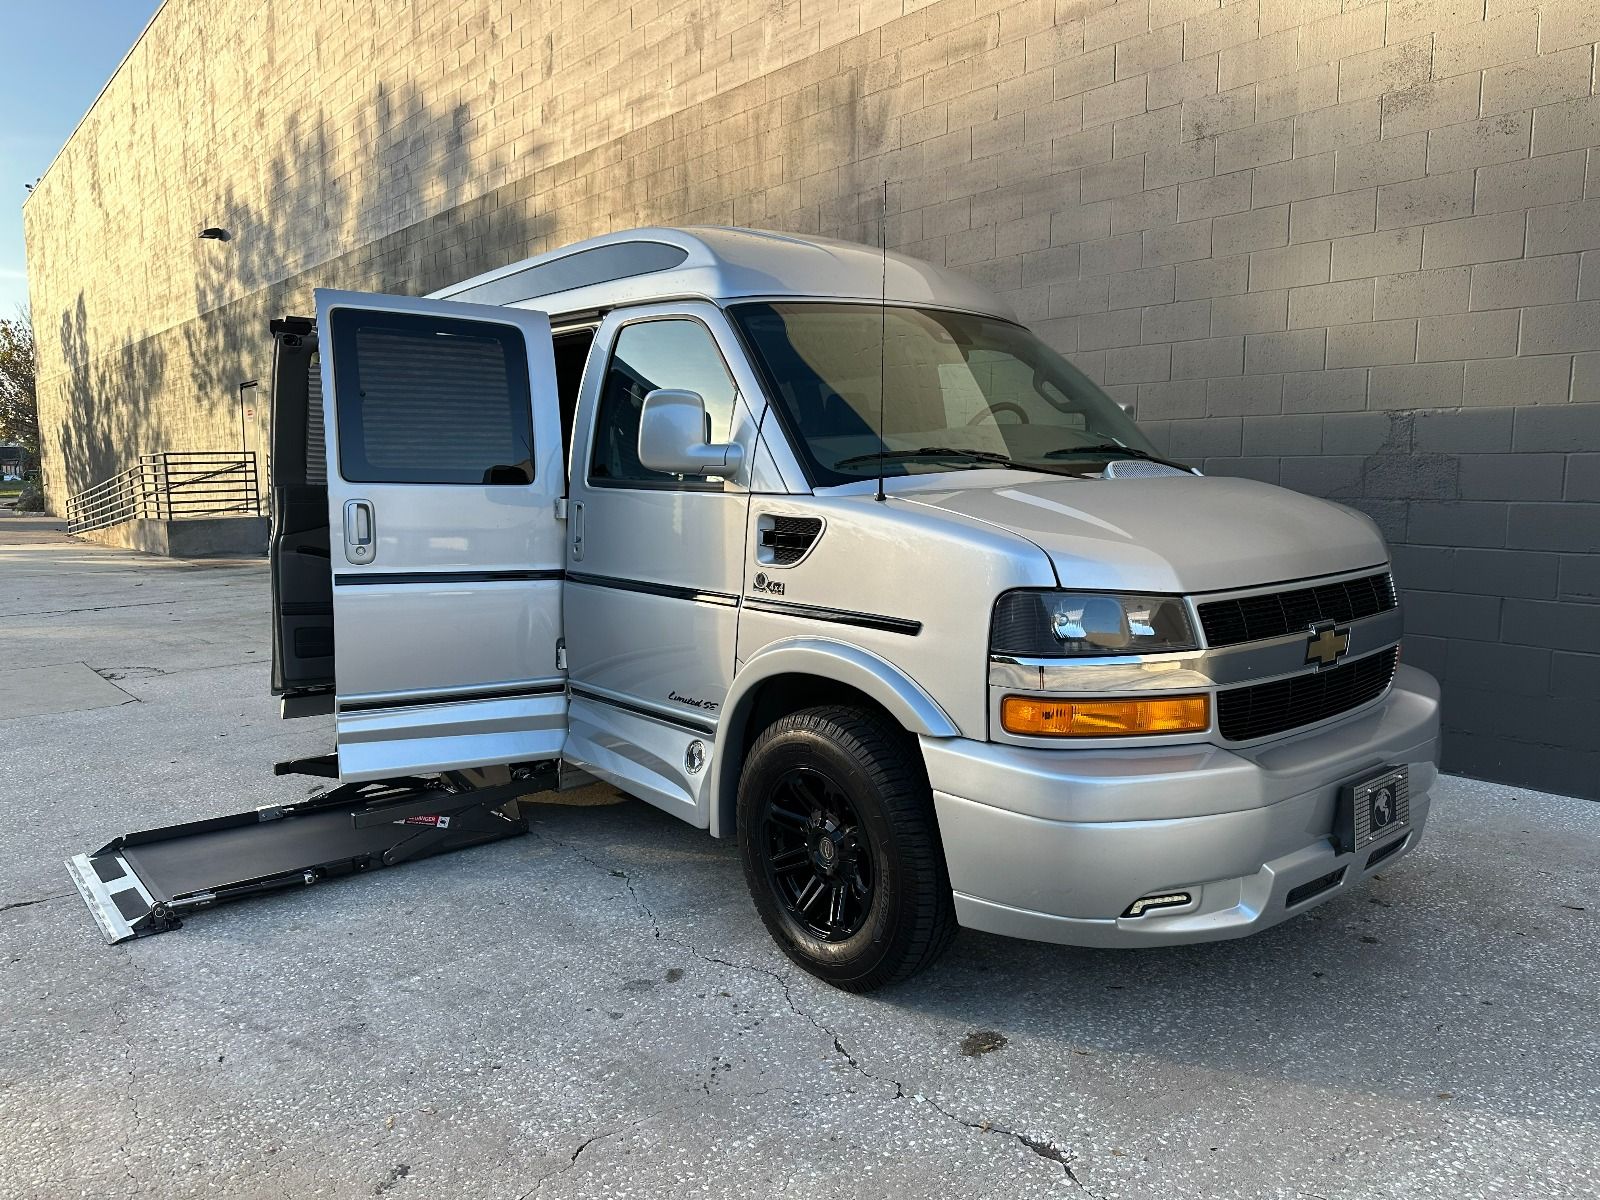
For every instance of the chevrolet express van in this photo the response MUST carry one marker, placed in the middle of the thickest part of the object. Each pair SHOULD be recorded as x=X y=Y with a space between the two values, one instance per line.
x=816 y=547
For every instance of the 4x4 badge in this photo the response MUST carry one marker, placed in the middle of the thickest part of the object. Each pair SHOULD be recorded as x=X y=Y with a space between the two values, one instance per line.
x=1328 y=644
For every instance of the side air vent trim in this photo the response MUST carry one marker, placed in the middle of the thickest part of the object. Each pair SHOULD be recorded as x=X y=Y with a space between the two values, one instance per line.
x=783 y=541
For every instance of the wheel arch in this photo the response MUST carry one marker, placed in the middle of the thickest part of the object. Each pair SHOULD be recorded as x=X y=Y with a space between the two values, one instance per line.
x=798 y=673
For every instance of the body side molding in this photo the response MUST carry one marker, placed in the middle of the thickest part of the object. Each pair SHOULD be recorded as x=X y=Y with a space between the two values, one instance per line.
x=836 y=616
x=379 y=578
x=671 y=591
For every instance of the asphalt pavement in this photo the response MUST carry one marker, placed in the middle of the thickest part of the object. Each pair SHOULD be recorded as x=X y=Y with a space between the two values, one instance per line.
x=594 y=1009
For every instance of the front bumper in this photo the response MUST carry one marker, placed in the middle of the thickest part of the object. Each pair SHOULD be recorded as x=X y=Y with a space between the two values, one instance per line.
x=1054 y=845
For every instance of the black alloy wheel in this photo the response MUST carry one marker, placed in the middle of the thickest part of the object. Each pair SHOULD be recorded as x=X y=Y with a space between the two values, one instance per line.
x=818 y=858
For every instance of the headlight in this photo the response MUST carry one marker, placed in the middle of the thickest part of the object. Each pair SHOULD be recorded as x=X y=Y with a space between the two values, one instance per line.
x=1051 y=624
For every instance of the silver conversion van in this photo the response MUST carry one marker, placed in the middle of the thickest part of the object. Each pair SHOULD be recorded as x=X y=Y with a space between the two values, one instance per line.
x=818 y=548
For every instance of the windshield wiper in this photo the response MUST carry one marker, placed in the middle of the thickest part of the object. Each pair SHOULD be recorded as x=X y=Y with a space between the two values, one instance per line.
x=987 y=457
x=925 y=452
x=1102 y=449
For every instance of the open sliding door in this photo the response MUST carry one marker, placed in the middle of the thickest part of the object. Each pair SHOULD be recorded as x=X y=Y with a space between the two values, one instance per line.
x=444 y=467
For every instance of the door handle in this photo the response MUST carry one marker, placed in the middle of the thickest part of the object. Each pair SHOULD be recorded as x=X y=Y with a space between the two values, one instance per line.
x=575 y=523
x=360 y=533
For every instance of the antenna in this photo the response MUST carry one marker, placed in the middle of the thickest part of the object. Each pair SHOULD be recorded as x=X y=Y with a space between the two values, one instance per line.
x=883 y=323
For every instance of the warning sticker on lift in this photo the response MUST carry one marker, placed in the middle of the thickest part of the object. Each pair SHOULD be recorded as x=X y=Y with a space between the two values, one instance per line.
x=434 y=822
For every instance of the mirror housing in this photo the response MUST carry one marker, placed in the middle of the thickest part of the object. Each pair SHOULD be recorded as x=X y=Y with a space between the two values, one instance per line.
x=672 y=437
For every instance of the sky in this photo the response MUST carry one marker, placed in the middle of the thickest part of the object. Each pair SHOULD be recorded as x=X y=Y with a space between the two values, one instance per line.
x=58 y=57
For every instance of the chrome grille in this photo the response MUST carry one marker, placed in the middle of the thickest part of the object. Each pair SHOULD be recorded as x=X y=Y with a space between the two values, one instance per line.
x=1262 y=709
x=1274 y=614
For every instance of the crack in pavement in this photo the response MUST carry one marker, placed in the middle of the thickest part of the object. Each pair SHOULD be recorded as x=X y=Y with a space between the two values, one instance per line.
x=139 y=674
x=1045 y=1147
x=66 y=612
x=130 y=1056
x=627 y=882
x=36 y=900
x=572 y=1161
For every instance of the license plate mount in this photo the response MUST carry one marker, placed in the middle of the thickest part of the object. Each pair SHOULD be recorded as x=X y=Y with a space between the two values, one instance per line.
x=1372 y=809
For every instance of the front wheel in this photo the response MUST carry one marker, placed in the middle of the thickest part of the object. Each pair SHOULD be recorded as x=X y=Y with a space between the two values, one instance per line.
x=841 y=848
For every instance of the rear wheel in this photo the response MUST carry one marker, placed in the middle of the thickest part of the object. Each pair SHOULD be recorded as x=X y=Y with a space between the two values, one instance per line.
x=841 y=848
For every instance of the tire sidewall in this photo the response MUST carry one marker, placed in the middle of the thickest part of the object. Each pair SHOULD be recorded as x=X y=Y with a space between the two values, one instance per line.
x=784 y=748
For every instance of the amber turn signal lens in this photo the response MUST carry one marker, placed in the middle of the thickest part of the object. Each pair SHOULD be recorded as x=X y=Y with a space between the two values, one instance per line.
x=1105 y=718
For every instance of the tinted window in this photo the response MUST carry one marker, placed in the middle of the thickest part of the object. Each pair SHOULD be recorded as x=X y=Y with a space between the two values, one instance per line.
x=431 y=400
x=853 y=379
x=677 y=353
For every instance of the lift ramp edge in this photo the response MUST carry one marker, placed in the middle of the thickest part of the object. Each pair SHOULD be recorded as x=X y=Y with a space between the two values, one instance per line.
x=144 y=882
x=101 y=899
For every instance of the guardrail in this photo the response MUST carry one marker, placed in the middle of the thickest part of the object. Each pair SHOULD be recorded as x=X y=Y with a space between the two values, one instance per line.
x=170 y=486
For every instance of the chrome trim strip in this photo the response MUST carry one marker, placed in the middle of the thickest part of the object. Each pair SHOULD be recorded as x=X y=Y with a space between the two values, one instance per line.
x=1226 y=666
x=676 y=720
x=1290 y=585
x=419 y=699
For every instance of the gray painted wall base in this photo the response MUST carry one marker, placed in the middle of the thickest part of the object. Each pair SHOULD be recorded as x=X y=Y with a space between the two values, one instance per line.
x=190 y=537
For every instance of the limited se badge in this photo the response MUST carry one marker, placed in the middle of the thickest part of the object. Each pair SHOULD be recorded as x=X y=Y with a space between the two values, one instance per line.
x=1328 y=644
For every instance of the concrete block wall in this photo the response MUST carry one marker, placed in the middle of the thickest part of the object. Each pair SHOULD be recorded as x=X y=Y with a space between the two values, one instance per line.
x=1362 y=260
x=1353 y=248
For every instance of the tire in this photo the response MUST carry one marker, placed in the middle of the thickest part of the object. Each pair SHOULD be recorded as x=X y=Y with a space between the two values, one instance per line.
x=836 y=799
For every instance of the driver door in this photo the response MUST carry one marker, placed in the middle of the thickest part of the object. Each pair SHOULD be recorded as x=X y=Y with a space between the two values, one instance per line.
x=444 y=468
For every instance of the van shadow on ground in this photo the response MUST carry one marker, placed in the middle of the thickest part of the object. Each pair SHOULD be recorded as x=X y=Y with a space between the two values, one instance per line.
x=1439 y=974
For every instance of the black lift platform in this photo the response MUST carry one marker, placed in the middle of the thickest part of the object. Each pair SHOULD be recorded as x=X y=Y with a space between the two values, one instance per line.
x=144 y=883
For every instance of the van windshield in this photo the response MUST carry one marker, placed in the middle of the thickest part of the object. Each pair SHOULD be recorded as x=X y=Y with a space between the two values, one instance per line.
x=958 y=391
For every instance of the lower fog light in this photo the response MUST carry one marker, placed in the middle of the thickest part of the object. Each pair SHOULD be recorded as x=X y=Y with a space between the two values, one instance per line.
x=1163 y=900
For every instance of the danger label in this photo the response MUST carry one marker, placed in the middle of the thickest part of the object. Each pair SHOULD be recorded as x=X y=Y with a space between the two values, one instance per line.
x=431 y=821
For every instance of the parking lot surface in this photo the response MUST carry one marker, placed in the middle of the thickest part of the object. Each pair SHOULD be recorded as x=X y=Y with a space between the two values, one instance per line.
x=594 y=1010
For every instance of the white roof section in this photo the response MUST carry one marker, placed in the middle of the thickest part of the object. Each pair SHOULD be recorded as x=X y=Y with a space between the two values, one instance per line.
x=720 y=264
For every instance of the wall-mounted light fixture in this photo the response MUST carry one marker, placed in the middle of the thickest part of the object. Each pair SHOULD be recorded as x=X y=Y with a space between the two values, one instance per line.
x=216 y=234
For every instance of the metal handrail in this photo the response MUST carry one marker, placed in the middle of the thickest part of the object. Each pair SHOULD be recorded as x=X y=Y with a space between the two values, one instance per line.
x=169 y=486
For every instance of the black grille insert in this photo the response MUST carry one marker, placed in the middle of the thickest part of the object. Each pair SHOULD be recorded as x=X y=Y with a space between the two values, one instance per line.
x=1314 y=887
x=1263 y=709
x=789 y=538
x=1253 y=618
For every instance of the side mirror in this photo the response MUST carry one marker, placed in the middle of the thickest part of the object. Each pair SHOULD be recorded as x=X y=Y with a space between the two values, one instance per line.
x=672 y=437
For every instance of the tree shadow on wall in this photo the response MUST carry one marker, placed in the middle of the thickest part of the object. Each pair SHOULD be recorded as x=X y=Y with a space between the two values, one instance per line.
x=109 y=402
x=351 y=206
x=356 y=213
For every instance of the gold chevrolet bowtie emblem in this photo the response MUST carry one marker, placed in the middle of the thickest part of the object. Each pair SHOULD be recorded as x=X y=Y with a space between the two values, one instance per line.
x=1327 y=645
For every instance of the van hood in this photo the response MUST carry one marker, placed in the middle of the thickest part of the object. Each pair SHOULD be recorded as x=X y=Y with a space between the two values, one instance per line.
x=1166 y=534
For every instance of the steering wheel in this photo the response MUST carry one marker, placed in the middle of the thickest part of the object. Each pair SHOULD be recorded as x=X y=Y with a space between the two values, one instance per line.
x=1004 y=406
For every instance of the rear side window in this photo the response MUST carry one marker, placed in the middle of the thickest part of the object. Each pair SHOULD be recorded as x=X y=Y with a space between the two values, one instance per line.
x=425 y=399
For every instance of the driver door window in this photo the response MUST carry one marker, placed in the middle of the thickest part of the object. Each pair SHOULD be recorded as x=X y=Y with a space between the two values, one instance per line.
x=669 y=353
